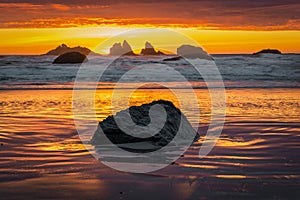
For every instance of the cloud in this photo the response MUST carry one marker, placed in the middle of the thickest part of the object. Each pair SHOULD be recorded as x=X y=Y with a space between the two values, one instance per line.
x=60 y=7
x=217 y=14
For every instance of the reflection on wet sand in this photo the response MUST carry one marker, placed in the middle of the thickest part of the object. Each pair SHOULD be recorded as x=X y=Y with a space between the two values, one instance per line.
x=257 y=154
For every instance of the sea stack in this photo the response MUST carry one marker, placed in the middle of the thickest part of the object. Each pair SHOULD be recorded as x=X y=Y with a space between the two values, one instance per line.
x=192 y=52
x=121 y=50
x=150 y=51
x=70 y=58
x=176 y=124
x=63 y=48
x=267 y=51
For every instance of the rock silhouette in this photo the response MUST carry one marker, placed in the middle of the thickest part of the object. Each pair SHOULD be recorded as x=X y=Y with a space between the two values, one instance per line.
x=61 y=49
x=121 y=50
x=70 y=58
x=140 y=116
x=173 y=58
x=192 y=52
x=149 y=50
x=270 y=51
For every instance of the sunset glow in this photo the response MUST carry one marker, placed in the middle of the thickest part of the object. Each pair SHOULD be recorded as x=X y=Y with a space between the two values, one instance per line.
x=39 y=41
x=221 y=27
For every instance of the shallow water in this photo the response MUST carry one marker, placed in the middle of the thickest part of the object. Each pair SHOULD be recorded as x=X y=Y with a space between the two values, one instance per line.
x=256 y=156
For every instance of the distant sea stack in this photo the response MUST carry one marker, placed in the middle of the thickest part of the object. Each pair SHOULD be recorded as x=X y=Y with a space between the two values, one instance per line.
x=270 y=51
x=150 y=51
x=70 y=58
x=190 y=52
x=61 y=49
x=121 y=50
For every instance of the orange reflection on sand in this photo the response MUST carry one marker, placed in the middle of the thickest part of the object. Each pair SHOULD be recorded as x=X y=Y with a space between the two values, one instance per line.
x=41 y=149
x=59 y=146
x=103 y=101
x=231 y=176
x=237 y=143
x=238 y=157
x=199 y=166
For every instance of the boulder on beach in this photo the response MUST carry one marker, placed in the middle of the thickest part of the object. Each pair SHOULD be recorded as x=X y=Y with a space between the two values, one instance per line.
x=192 y=52
x=150 y=51
x=269 y=51
x=61 y=49
x=175 y=123
x=119 y=49
x=70 y=58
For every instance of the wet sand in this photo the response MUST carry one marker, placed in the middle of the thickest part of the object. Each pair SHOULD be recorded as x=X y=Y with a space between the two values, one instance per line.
x=257 y=155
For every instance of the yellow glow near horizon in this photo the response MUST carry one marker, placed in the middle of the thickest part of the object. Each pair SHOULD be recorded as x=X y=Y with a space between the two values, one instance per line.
x=40 y=40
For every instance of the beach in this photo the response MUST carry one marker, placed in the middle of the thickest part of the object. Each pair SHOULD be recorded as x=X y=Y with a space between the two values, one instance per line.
x=44 y=155
x=256 y=156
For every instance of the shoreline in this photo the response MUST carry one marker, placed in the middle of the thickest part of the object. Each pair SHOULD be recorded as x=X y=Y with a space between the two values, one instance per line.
x=99 y=89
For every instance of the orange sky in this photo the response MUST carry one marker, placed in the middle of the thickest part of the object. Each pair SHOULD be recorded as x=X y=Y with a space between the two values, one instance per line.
x=39 y=41
x=227 y=26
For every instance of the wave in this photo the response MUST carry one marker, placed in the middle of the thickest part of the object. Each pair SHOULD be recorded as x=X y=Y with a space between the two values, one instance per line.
x=236 y=70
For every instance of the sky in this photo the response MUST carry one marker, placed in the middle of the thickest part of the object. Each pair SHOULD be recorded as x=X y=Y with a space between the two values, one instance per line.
x=219 y=26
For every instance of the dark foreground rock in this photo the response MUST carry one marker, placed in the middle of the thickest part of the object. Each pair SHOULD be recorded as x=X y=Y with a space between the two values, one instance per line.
x=70 y=58
x=140 y=116
x=270 y=51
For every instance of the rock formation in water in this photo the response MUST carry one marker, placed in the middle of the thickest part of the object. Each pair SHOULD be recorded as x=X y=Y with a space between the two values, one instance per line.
x=189 y=52
x=140 y=116
x=65 y=49
x=150 y=51
x=270 y=51
x=121 y=50
x=192 y=52
x=70 y=58
x=173 y=58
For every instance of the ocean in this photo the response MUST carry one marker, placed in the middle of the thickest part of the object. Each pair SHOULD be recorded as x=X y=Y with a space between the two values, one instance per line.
x=238 y=71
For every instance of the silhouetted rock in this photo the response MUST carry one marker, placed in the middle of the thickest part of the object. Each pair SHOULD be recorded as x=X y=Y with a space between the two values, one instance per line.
x=127 y=49
x=116 y=49
x=271 y=51
x=65 y=49
x=192 y=52
x=148 y=45
x=150 y=51
x=121 y=50
x=173 y=58
x=70 y=57
x=140 y=116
